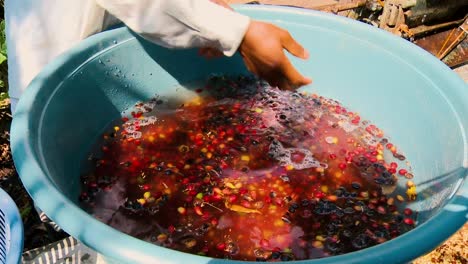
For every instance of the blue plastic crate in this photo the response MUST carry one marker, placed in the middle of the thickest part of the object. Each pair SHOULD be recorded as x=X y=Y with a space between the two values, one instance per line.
x=11 y=231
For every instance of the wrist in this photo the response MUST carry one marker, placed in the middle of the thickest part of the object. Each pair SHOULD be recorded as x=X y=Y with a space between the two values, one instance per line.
x=247 y=39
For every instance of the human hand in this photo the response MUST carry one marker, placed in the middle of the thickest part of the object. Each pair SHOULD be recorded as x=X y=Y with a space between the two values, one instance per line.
x=262 y=51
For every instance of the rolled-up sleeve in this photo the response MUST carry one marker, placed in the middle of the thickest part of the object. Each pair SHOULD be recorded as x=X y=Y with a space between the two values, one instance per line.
x=182 y=23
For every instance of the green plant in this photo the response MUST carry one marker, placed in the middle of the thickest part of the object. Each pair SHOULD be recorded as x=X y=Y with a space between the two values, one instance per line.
x=3 y=59
x=3 y=48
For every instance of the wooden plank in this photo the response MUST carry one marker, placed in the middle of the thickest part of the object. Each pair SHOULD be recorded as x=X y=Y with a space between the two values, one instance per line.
x=323 y=5
x=301 y=3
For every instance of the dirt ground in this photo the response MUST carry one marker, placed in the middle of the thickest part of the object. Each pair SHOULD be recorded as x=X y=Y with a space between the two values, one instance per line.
x=37 y=234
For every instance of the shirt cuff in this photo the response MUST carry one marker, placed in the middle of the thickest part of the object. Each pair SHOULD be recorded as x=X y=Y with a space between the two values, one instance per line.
x=221 y=26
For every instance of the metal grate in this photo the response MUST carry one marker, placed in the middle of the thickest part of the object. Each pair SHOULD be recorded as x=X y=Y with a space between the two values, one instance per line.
x=4 y=237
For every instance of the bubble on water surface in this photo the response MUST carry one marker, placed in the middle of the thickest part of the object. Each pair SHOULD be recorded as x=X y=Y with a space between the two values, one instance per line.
x=284 y=156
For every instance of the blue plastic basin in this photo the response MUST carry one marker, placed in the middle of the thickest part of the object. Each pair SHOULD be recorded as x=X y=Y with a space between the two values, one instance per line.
x=412 y=96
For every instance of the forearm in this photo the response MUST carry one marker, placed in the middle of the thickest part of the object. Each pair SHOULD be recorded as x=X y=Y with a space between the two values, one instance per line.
x=182 y=23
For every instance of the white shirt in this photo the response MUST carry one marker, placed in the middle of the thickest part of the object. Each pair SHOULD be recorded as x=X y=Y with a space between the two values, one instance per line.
x=39 y=30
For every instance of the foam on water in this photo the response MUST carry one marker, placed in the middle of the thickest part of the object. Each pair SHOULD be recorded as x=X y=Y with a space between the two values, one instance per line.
x=284 y=156
x=131 y=126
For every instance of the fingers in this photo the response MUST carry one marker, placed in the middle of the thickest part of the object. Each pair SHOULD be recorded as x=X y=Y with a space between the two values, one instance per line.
x=293 y=79
x=284 y=76
x=279 y=81
x=292 y=46
x=290 y=73
x=263 y=51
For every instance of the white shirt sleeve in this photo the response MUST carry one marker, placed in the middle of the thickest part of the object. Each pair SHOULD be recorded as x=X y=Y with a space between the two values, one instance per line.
x=182 y=23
